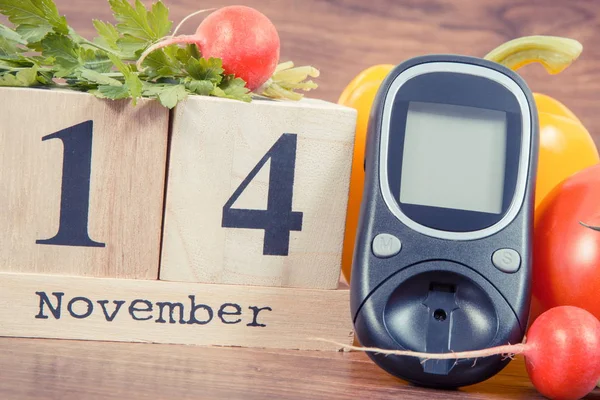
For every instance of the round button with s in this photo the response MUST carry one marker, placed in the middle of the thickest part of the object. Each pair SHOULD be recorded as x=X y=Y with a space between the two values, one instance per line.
x=506 y=260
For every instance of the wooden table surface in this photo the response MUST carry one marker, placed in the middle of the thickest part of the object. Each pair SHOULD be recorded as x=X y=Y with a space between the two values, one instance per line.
x=341 y=37
x=72 y=370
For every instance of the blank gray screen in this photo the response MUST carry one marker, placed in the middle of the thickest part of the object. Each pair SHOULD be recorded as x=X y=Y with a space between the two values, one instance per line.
x=454 y=157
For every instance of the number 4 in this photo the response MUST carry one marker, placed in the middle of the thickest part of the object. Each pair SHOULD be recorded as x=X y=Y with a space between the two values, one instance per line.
x=278 y=219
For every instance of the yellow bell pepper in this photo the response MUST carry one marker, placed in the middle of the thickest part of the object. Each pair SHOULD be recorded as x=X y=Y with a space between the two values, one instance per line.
x=565 y=145
x=359 y=94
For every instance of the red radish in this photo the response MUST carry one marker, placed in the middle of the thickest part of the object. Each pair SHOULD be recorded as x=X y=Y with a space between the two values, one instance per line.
x=245 y=39
x=562 y=352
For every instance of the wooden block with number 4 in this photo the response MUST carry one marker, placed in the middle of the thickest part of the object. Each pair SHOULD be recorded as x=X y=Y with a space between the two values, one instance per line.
x=257 y=192
x=82 y=184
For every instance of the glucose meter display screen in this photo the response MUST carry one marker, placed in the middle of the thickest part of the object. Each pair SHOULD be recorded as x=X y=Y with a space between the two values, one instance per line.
x=454 y=157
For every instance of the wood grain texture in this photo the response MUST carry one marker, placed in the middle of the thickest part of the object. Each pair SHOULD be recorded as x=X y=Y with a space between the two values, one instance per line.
x=342 y=37
x=126 y=183
x=128 y=310
x=69 y=370
x=215 y=144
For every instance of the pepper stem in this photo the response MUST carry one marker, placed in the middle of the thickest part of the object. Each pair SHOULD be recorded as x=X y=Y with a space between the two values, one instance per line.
x=554 y=53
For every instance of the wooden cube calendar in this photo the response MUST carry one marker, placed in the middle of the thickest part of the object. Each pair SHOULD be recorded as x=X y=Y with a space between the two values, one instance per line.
x=256 y=196
x=257 y=193
x=82 y=184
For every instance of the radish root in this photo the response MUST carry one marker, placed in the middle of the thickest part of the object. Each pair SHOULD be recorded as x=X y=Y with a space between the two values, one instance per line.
x=163 y=43
x=171 y=39
x=188 y=17
x=509 y=350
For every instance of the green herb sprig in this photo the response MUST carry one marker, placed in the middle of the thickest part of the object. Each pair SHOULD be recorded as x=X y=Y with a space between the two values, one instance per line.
x=41 y=49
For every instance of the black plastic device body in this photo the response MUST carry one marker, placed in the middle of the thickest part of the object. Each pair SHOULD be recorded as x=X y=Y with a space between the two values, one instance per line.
x=444 y=279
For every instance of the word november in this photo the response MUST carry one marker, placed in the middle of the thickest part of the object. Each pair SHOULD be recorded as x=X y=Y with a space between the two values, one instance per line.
x=144 y=310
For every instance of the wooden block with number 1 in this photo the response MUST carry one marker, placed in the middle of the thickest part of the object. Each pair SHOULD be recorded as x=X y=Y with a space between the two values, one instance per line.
x=257 y=192
x=82 y=184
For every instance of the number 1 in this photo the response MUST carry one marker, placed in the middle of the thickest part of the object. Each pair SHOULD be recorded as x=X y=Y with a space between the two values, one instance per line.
x=75 y=191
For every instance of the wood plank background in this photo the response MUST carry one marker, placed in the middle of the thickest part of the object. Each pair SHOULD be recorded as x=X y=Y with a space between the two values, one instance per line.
x=342 y=37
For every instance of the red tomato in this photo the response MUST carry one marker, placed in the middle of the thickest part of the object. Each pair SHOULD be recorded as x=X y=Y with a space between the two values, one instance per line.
x=566 y=252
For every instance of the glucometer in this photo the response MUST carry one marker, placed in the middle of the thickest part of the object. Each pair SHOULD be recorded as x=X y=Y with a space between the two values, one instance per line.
x=443 y=247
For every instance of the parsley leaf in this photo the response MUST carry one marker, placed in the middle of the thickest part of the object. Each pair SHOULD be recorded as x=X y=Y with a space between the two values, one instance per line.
x=133 y=84
x=108 y=34
x=158 y=20
x=131 y=47
x=172 y=62
x=16 y=61
x=34 y=18
x=45 y=78
x=183 y=55
x=139 y=27
x=96 y=77
x=200 y=87
x=8 y=48
x=23 y=78
x=64 y=51
x=10 y=42
x=111 y=92
x=168 y=95
x=233 y=88
x=11 y=49
x=95 y=60
x=160 y=64
x=33 y=33
x=205 y=70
